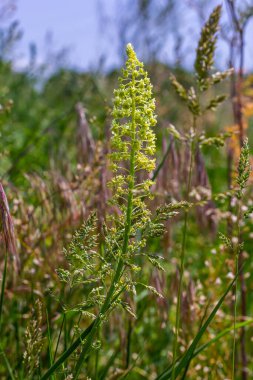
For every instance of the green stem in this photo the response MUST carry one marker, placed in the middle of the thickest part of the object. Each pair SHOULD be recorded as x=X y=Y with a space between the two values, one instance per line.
x=128 y=348
x=59 y=336
x=50 y=347
x=234 y=322
x=187 y=356
x=182 y=256
x=160 y=165
x=7 y=363
x=97 y=357
x=238 y=248
x=68 y=352
x=201 y=348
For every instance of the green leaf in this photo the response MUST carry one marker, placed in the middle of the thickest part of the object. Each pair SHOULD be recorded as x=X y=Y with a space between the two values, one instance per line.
x=214 y=340
x=187 y=357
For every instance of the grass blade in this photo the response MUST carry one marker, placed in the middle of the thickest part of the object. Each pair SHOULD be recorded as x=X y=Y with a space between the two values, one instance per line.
x=88 y=344
x=214 y=340
x=7 y=365
x=221 y=334
x=50 y=349
x=68 y=352
x=187 y=357
x=59 y=336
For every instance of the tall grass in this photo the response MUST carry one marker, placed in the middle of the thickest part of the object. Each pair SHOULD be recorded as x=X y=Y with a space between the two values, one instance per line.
x=105 y=308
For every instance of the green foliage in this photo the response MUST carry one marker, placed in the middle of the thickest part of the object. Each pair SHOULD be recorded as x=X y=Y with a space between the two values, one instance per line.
x=81 y=256
x=133 y=144
x=177 y=230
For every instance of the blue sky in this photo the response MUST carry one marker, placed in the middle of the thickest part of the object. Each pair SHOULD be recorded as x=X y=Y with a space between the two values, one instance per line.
x=77 y=25
x=72 y=24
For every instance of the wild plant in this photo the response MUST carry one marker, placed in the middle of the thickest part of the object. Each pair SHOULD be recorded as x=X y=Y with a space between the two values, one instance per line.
x=204 y=79
x=108 y=271
x=243 y=173
x=111 y=259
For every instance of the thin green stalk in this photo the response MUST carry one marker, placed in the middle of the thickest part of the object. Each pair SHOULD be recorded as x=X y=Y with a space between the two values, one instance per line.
x=208 y=344
x=59 y=336
x=68 y=352
x=65 y=335
x=75 y=344
x=7 y=363
x=128 y=348
x=49 y=343
x=182 y=256
x=236 y=287
x=234 y=323
x=188 y=355
x=160 y=165
x=86 y=348
x=97 y=357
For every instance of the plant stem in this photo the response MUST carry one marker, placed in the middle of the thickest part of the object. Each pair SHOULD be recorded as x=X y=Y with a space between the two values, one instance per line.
x=234 y=323
x=238 y=251
x=97 y=359
x=160 y=165
x=128 y=348
x=50 y=346
x=182 y=256
x=188 y=355
x=7 y=363
x=59 y=336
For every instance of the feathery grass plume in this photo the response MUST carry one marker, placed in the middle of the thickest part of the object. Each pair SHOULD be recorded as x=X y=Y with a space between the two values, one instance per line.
x=206 y=47
x=33 y=342
x=243 y=169
x=203 y=65
x=79 y=255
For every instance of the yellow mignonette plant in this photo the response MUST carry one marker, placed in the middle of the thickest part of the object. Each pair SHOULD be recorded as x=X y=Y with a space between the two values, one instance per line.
x=106 y=271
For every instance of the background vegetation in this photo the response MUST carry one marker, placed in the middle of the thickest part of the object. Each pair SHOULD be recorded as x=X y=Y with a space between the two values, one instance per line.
x=55 y=130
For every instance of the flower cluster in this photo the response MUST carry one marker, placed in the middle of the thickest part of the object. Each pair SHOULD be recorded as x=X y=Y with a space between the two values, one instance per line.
x=132 y=158
x=133 y=140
